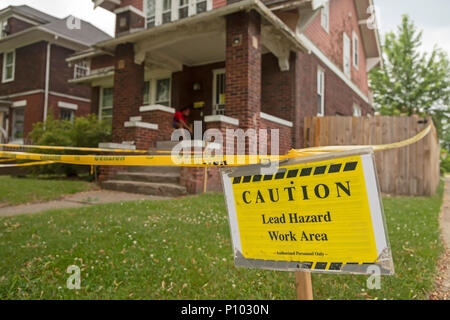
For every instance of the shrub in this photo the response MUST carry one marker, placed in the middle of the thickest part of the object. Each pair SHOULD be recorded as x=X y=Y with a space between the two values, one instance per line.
x=85 y=131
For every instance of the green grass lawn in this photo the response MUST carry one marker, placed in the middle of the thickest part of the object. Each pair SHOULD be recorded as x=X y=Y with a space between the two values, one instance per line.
x=14 y=191
x=181 y=249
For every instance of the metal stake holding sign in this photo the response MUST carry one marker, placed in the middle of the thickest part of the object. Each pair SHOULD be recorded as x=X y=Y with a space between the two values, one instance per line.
x=315 y=214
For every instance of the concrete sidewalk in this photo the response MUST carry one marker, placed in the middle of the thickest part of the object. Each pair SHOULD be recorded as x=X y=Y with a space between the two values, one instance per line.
x=75 y=201
x=443 y=279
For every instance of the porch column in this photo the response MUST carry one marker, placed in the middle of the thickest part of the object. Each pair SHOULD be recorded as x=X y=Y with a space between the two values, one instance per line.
x=243 y=68
x=128 y=91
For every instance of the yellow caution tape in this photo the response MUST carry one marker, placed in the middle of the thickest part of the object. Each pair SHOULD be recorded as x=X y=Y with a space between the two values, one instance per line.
x=18 y=146
x=195 y=160
x=28 y=164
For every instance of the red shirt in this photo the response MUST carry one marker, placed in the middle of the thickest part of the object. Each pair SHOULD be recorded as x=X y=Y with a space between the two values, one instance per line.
x=179 y=116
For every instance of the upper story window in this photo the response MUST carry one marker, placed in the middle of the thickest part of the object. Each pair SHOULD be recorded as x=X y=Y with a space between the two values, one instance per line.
x=81 y=69
x=325 y=16
x=3 y=28
x=355 y=50
x=347 y=55
x=320 y=92
x=357 y=111
x=159 y=12
x=9 y=66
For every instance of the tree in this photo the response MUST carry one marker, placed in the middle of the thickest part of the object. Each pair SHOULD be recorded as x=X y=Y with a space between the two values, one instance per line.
x=410 y=81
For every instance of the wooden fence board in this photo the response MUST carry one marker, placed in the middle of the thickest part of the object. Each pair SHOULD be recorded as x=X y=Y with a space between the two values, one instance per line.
x=411 y=170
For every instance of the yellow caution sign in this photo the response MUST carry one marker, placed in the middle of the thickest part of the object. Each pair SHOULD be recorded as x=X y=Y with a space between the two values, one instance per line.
x=321 y=214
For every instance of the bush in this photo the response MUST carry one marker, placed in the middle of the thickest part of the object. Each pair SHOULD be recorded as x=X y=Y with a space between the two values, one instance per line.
x=85 y=131
x=445 y=162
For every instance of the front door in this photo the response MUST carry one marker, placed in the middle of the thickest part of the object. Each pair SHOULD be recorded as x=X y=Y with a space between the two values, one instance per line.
x=3 y=125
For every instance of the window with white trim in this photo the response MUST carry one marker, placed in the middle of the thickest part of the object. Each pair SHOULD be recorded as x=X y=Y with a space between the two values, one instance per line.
x=347 y=55
x=159 y=12
x=106 y=104
x=3 y=28
x=325 y=16
x=357 y=110
x=150 y=9
x=355 y=50
x=219 y=92
x=9 y=66
x=157 y=91
x=81 y=69
x=320 y=92
x=67 y=114
x=18 y=122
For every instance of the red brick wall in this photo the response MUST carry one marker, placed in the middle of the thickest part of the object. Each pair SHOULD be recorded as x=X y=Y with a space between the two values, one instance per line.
x=339 y=97
x=285 y=134
x=16 y=25
x=30 y=69
x=163 y=120
x=343 y=18
x=138 y=4
x=84 y=108
x=128 y=85
x=243 y=68
x=34 y=111
x=61 y=72
x=102 y=61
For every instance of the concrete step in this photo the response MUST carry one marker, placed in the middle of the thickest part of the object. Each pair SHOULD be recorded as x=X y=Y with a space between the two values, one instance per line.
x=155 y=169
x=160 y=177
x=150 y=188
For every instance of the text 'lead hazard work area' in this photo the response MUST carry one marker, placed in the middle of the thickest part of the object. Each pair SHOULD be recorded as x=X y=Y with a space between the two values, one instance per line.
x=319 y=213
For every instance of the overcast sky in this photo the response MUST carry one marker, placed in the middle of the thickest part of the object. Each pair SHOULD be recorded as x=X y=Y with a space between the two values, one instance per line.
x=432 y=16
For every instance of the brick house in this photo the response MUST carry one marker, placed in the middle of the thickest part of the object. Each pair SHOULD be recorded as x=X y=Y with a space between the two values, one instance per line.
x=33 y=70
x=241 y=64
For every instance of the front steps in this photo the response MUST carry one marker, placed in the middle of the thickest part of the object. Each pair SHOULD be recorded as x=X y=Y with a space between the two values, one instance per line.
x=150 y=180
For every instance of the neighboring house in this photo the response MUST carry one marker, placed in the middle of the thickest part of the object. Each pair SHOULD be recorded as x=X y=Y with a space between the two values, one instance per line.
x=246 y=64
x=33 y=70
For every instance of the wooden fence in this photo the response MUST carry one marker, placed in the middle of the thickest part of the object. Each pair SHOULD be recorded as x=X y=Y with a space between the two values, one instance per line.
x=411 y=170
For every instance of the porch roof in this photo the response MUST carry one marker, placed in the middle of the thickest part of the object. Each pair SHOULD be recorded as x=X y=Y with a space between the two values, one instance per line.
x=200 y=39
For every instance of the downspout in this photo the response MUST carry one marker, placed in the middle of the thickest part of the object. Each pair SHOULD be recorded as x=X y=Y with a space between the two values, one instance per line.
x=47 y=80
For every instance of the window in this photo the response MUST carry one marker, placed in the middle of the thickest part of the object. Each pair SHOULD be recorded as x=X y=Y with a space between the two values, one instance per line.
x=219 y=92
x=355 y=50
x=106 y=104
x=81 y=69
x=67 y=114
x=357 y=111
x=3 y=28
x=167 y=11
x=346 y=53
x=146 y=93
x=18 y=120
x=320 y=92
x=9 y=61
x=151 y=13
x=183 y=10
x=163 y=92
x=325 y=16
x=202 y=6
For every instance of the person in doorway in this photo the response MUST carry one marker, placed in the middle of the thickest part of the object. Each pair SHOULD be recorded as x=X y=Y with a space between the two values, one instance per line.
x=180 y=119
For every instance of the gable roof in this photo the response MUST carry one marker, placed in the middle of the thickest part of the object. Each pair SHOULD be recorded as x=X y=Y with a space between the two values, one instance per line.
x=86 y=35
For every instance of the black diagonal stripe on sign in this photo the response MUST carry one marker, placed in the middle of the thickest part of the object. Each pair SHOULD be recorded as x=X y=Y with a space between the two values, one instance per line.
x=320 y=170
x=321 y=266
x=292 y=173
x=335 y=168
x=247 y=179
x=280 y=175
x=335 y=266
x=305 y=265
x=350 y=166
x=268 y=177
x=305 y=172
x=237 y=180
x=257 y=178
